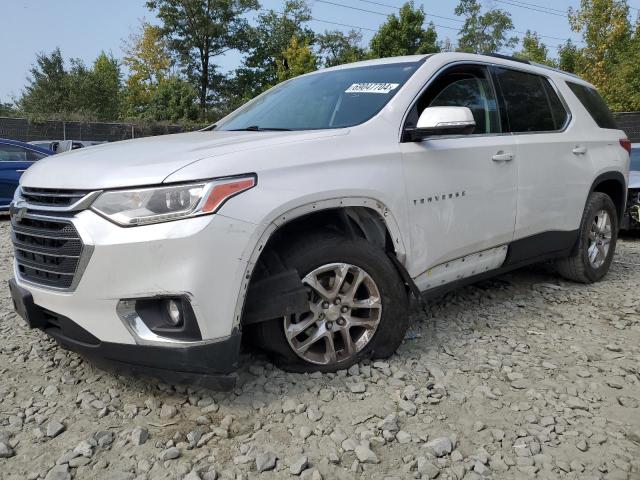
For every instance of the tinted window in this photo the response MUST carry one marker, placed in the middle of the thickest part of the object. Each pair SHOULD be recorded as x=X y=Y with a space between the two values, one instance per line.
x=635 y=159
x=14 y=153
x=593 y=102
x=462 y=86
x=332 y=99
x=531 y=103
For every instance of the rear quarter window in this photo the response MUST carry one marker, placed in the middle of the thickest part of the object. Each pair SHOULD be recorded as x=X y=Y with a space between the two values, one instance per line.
x=595 y=105
x=531 y=102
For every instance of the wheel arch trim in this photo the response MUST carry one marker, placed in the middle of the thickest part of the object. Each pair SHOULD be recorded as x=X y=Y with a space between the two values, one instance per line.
x=618 y=177
x=270 y=226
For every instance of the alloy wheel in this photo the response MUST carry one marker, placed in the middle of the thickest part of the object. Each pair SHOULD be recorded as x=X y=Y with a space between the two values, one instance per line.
x=344 y=313
x=599 y=239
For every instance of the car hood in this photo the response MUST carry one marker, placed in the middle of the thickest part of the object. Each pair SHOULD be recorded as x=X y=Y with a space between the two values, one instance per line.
x=634 y=179
x=151 y=160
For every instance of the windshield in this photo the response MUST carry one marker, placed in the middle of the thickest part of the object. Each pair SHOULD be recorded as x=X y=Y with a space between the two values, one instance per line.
x=332 y=99
x=635 y=160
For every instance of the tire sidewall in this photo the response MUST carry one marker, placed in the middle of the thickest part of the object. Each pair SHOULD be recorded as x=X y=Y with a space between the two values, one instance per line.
x=598 y=202
x=329 y=249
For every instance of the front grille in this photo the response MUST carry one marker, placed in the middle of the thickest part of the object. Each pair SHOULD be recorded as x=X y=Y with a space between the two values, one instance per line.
x=47 y=249
x=51 y=197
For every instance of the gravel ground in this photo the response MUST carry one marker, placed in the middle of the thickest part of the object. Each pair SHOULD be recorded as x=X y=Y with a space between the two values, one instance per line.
x=523 y=376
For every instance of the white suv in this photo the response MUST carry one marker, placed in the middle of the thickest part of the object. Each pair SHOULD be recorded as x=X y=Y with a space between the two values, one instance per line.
x=307 y=219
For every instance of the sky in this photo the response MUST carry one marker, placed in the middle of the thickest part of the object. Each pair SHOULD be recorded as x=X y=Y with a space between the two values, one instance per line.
x=82 y=28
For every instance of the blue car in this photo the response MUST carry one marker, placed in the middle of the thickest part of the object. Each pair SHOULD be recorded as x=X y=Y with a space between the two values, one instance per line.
x=15 y=158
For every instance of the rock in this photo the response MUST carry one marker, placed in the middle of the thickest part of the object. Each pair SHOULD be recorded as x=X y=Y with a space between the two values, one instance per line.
x=193 y=475
x=305 y=432
x=139 y=436
x=408 y=407
x=390 y=423
x=265 y=461
x=297 y=465
x=403 y=437
x=50 y=391
x=311 y=474
x=6 y=451
x=582 y=445
x=426 y=468
x=59 y=472
x=314 y=413
x=54 y=428
x=170 y=454
x=628 y=402
x=358 y=387
x=613 y=347
x=289 y=405
x=168 y=412
x=576 y=403
x=326 y=395
x=103 y=438
x=440 y=446
x=365 y=454
x=84 y=448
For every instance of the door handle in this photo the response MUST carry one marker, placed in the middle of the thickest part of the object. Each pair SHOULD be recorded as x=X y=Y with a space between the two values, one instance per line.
x=20 y=171
x=578 y=150
x=502 y=157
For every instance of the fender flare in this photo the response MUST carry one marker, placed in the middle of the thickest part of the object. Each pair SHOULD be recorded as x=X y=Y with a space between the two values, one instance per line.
x=611 y=175
x=254 y=250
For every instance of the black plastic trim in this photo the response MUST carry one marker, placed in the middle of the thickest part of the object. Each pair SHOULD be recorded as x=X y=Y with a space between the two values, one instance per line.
x=612 y=175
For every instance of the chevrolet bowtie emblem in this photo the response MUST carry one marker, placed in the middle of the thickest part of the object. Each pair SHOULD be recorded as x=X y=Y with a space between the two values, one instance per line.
x=19 y=215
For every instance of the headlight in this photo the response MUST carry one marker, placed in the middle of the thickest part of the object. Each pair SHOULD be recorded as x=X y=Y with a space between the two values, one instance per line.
x=142 y=206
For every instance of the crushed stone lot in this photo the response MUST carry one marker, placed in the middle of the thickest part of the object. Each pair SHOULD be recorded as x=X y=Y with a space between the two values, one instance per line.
x=524 y=376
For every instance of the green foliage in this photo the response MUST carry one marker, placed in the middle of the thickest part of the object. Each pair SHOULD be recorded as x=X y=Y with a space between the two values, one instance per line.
x=198 y=31
x=404 y=35
x=8 y=109
x=568 y=57
x=269 y=39
x=610 y=55
x=533 y=49
x=337 y=48
x=296 y=60
x=174 y=100
x=52 y=90
x=484 y=32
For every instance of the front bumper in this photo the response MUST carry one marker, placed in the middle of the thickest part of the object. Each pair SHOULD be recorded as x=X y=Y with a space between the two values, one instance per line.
x=631 y=217
x=208 y=364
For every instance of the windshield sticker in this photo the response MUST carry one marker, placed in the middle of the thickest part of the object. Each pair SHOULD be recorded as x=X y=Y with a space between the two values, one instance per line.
x=372 y=88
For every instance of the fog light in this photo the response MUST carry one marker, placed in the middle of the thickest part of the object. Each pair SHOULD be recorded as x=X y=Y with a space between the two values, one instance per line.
x=175 y=315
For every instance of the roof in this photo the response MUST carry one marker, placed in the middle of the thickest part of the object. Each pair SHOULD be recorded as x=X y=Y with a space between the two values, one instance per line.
x=28 y=146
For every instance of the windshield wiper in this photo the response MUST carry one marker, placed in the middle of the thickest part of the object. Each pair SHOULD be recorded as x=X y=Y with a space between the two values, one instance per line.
x=256 y=128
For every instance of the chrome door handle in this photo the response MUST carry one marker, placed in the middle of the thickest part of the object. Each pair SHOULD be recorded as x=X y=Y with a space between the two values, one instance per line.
x=502 y=157
x=20 y=171
x=578 y=150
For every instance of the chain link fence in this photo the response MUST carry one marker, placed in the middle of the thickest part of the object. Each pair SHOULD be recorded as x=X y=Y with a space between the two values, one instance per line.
x=26 y=131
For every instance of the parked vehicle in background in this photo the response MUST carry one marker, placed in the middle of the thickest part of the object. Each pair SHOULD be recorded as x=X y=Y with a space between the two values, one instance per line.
x=15 y=158
x=306 y=219
x=631 y=220
x=59 y=146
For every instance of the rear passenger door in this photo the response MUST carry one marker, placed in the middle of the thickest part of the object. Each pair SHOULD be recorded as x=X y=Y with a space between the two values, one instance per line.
x=551 y=158
x=14 y=160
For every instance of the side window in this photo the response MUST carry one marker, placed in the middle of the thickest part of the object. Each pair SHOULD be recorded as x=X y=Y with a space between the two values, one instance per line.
x=33 y=156
x=462 y=86
x=593 y=102
x=531 y=102
x=12 y=153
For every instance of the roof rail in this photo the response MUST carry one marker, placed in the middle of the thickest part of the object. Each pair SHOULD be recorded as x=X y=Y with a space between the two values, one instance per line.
x=507 y=57
x=542 y=65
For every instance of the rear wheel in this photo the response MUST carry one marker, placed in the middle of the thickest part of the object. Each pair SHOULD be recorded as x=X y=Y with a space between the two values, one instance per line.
x=596 y=242
x=357 y=306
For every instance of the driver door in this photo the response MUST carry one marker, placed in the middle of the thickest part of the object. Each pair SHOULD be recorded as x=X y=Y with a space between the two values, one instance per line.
x=461 y=190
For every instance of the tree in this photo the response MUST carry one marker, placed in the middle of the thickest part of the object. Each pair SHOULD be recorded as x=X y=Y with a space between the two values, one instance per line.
x=568 y=57
x=533 y=49
x=404 y=35
x=148 y=59
x=483 y=32
x=47 y=91
x=270 y=38
x=7 y=109
x=296 y=60
x=174 y=100
x=102 y=88
x=607 y=35
x=337 y=48
x=201 y=30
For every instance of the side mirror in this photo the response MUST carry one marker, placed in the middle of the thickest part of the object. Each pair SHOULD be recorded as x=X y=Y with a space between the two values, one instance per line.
x=443 y=121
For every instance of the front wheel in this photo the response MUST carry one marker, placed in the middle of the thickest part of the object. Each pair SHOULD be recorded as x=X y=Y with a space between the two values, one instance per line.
x=357 y=306
x=598 y=234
